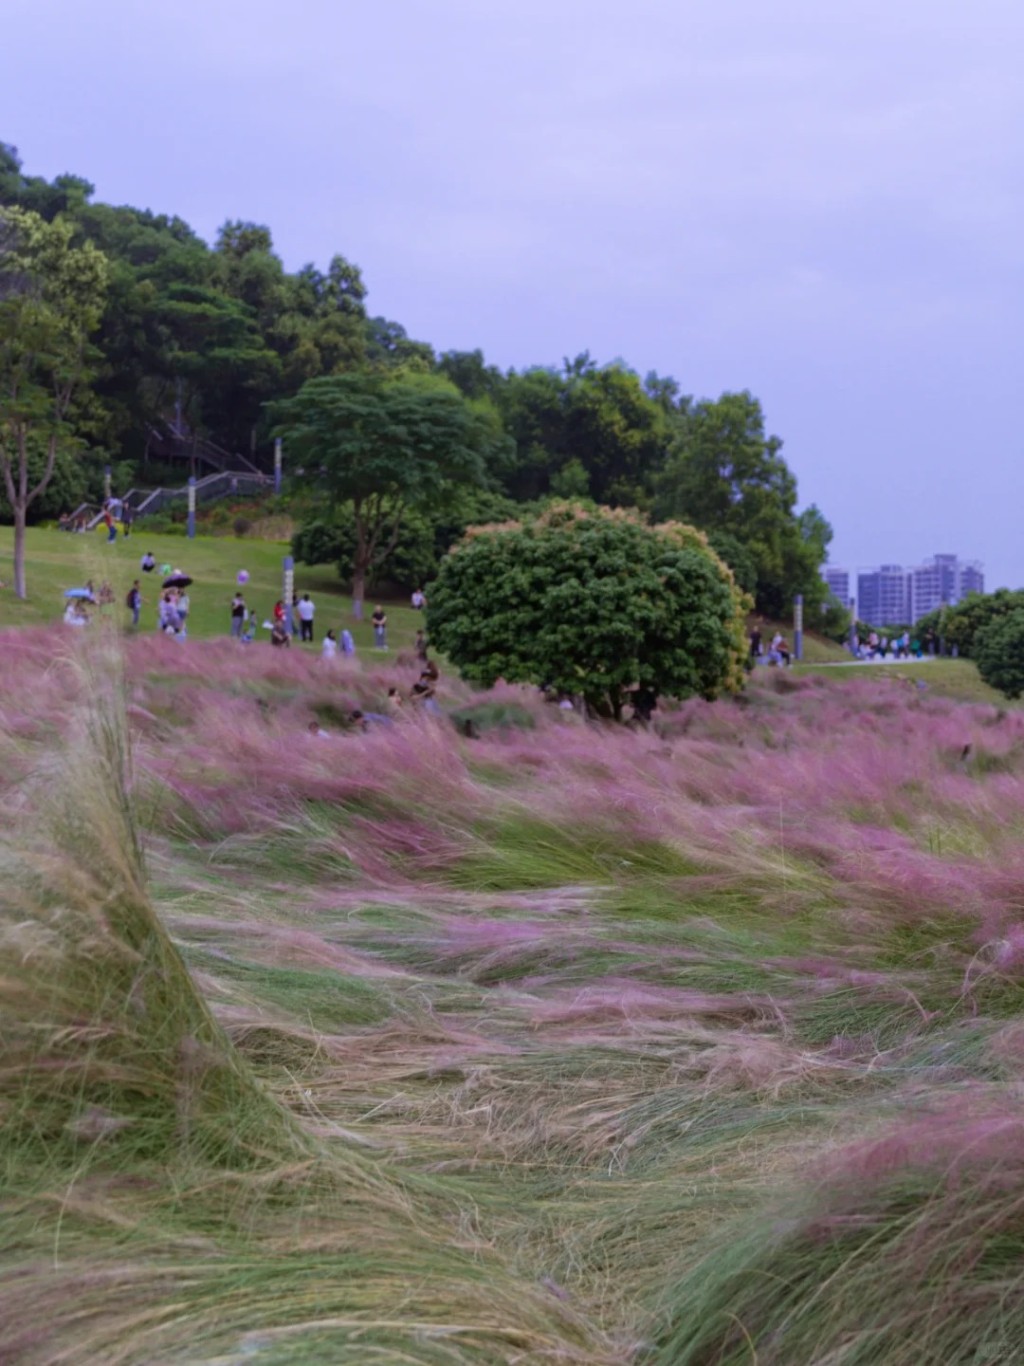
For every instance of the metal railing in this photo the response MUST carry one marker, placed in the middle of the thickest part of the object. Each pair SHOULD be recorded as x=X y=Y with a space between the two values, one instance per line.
x=145 y=502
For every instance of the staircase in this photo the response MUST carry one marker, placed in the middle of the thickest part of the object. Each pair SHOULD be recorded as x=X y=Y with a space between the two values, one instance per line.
x=248 y=483
x=174 y=442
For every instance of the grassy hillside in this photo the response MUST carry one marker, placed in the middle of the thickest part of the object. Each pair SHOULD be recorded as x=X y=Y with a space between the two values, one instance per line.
x=562 y=1044
x=58 y=560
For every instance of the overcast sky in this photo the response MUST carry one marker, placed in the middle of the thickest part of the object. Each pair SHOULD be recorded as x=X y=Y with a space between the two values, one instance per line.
x=819 y=202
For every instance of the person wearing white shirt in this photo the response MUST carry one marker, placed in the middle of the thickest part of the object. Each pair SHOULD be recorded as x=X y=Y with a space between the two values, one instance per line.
x=329 y=649
x=305 y=609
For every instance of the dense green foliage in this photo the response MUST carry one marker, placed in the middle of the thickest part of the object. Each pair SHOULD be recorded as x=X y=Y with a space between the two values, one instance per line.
x=51 y=296
x=592 y=602
x=424 y=537
x=200 y=345
x=379 y=445
x=999 y=652
x=961 y=625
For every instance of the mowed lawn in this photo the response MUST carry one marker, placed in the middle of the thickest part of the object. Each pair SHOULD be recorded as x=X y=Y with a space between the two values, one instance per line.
x=58 y=560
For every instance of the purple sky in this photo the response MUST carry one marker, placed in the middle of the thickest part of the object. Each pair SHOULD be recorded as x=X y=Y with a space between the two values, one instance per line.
x=819 y=202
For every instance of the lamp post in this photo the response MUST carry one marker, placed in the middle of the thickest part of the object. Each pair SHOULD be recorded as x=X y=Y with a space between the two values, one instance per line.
x=289 y=593
x=191 y=507
x=798 y=627
x=277 y=465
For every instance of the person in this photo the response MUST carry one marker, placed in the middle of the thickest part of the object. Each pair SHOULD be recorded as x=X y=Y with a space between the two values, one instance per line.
x=348 y=645
x=249 y=629
x=380 y=628
x=419 y=600
x=105 y=597
x=182 y=604
x=126 y=520
x=76 y=614
x=782 y=650
x=279 y=611
x=755 y=644
x=108 y=522
x=421 y=645
x=278 y=634
x=237 y=614
x=316 y=729
x=147 y=564
x=167 y=619
x=395 y=700
x=363 y=720
x=64 y=522
x=645 y=704
x=134 y=602
x=304 y=609
x=329 y=648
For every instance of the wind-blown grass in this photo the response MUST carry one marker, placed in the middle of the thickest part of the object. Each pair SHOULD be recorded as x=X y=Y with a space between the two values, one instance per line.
x=561 y=1043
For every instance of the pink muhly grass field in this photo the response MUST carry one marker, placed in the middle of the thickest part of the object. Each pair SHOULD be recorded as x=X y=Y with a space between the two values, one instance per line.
x=605 y=989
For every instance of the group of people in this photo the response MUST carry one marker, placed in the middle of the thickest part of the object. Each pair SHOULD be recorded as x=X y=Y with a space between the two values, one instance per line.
x=776 y=653
x=77 y=611
x=114 y=510
x=900 y=647
x=422 y=696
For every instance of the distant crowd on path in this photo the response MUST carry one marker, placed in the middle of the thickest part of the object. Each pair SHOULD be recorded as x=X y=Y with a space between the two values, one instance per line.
x=903 y=646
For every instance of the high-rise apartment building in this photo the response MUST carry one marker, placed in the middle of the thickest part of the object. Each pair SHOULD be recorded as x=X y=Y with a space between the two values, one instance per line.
x=943 y=581
x=883 y=596
x=838 y=582
x=893 y=596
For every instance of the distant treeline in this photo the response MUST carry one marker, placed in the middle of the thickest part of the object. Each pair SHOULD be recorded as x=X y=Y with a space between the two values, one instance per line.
x=208 y=339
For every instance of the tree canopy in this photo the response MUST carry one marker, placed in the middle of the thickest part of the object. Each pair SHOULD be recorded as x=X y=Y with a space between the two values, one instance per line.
x=382 y=444
x=201 y=343
x=51 y=294
x=591 y=601
x=999 y=652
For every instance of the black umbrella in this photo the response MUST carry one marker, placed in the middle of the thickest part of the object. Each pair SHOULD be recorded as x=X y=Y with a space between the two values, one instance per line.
x=177 y=581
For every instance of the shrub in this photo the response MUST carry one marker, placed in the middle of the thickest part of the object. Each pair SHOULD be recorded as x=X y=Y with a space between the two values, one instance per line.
x=591 y=601
x=999 y=653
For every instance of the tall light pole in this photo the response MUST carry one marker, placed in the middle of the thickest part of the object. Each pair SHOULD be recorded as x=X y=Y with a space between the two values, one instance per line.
x=798 y=627
x=289 y=593
x=277 y=465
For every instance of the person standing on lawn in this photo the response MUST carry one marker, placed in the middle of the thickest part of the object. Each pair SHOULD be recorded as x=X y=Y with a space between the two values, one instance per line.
x=380 y=628
x=237 y=614
x=134 y=602
x=305 y=610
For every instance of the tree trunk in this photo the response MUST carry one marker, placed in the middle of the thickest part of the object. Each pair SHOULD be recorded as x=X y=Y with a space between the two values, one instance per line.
x=358 y=590
x=19 y=551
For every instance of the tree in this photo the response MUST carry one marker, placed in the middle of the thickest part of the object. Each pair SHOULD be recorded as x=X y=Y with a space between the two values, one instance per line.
x=591 y=601
x=384 y=444
x=999 y=653
x=51 y=297
x=725 y=475
x=963 y=623
x=425 y=537
x=598 y=421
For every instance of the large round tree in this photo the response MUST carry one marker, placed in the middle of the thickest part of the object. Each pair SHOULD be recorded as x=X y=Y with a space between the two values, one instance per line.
x=591 y=601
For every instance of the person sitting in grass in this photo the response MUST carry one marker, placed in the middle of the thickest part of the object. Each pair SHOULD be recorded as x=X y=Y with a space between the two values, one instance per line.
x=278 y=635
x=329 y=648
